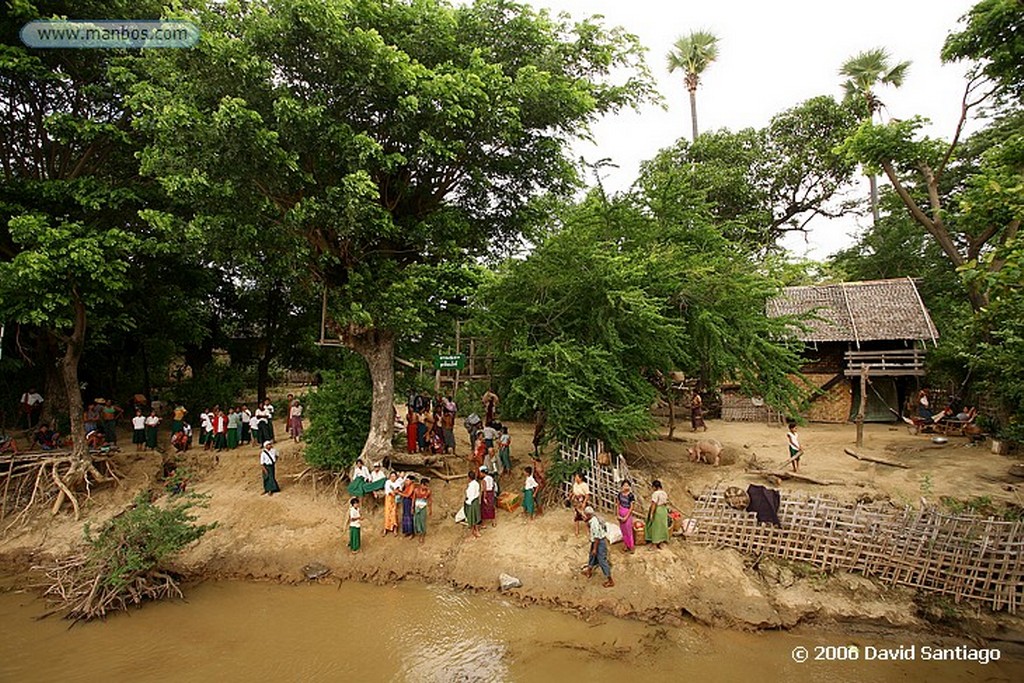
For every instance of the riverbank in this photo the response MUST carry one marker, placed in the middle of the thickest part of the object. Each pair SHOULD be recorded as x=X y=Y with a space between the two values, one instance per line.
x=272 y=538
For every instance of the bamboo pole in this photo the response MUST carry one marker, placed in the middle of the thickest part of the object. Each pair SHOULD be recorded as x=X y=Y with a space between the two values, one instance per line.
x=863 y=404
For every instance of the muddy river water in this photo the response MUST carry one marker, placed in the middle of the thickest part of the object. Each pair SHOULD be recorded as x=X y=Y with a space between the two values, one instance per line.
x=233 y=631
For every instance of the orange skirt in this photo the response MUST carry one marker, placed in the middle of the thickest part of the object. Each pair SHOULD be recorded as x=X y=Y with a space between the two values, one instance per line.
x=390 y=514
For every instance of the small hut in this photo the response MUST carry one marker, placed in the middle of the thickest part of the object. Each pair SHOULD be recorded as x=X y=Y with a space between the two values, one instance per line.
x=881 y=327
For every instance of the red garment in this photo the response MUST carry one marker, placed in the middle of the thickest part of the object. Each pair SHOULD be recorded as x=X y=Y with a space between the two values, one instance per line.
x=487 y=505
x=220 y=423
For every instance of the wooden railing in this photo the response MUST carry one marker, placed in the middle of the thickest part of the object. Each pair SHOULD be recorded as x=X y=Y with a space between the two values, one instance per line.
x=888 y=362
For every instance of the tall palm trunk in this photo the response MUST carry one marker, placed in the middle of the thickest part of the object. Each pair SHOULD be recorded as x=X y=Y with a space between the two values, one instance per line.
x=691 y=86
x=693 y=112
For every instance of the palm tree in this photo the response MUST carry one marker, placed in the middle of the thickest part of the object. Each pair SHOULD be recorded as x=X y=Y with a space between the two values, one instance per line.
x=692 y=54
x=864 y=73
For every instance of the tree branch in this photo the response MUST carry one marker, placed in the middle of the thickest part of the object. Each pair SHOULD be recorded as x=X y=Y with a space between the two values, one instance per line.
x=965 y=107
x=934 y=227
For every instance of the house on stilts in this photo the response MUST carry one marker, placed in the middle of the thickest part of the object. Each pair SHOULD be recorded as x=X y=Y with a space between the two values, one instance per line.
x=882 y=326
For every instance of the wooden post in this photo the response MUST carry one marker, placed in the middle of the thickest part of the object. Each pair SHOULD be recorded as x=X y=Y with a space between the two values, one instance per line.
x=863 y=404
x=472 y=358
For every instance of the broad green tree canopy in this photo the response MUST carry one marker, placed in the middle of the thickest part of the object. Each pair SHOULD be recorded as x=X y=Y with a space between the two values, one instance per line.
x=393 y=140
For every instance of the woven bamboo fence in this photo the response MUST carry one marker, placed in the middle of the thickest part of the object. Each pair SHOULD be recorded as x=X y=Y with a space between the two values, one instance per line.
x=604 y=481
x=960 y=555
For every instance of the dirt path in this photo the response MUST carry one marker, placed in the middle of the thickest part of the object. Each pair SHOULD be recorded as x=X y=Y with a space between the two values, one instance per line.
x=272 y=538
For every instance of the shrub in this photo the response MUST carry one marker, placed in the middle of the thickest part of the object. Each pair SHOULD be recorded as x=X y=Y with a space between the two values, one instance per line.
x=136 y=541
x=339 y=416
x=122 y=562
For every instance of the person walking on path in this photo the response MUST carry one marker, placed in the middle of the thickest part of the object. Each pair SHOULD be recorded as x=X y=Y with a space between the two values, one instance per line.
x=295 y=420
x=355 y=520
x=471 y=506
x=268 y=460
x=656 y=530
x=795 y=451
x=598 y=547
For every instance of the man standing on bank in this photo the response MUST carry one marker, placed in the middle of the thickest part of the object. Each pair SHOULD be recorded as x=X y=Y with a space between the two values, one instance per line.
x=598 y=547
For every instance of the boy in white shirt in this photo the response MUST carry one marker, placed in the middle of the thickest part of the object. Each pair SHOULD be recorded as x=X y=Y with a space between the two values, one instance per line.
x=794 y=446
x=354 y=524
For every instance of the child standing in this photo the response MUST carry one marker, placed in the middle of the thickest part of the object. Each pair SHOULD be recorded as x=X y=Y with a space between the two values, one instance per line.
x=529 y=491
x=354 y=524
x=794 y=446
x=504 y=451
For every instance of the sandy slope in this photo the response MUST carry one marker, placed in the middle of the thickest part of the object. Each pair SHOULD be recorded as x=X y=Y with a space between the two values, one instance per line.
x=263 y=537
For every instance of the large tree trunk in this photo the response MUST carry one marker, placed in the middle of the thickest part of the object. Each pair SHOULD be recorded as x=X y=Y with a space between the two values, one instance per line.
x=377 y=347
x=69 y=369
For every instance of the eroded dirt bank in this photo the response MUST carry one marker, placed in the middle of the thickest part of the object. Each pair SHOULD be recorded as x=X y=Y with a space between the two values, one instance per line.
x=273 y=538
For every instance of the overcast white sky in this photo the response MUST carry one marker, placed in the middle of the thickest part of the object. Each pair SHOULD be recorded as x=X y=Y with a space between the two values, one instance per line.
x=773 y=54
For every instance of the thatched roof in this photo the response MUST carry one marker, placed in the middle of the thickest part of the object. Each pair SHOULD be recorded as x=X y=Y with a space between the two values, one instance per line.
x=858 y=311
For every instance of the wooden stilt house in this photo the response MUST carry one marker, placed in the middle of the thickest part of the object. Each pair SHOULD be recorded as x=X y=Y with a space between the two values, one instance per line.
x=882 y=326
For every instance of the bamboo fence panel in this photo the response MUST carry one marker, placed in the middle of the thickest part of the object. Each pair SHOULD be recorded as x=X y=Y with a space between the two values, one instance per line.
x=965 y=556
x=604 y=481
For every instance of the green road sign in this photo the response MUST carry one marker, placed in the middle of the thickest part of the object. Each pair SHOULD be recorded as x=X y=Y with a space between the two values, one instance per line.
x=455 y=361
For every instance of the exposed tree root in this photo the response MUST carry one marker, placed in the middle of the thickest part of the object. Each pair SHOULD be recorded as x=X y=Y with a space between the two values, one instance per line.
x=51 y=480
x=81 y=593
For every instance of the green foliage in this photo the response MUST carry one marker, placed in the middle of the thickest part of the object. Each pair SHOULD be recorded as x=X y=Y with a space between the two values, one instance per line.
x=561 y=471
x=994 y=38
x=864 y=73
x=626 y=288
x=218 y=384
x=393 y=139
x=998 y=354
x=139 y=539
x=338 y=413
x=982 y=505
x=759 y=184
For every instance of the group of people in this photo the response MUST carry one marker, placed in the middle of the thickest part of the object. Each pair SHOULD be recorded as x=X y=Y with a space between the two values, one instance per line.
x=430 y=424
x=221 y=430
x=406 y=498
x=144 y=429
x=654 y=526
x=480 y=503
